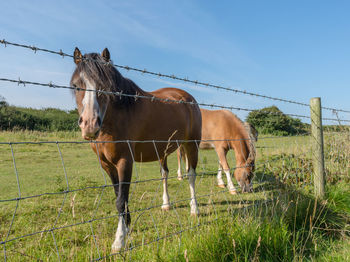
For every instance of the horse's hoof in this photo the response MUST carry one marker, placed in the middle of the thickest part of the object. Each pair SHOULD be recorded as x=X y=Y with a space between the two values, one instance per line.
x=233 y=192
x=165 y=207
x=116 y=248
x=194 y=211
x=194 y=214
x=180 y=178
x=221 y=186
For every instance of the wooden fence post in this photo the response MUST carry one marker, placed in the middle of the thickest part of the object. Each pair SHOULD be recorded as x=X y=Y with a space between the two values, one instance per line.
x=317 y=147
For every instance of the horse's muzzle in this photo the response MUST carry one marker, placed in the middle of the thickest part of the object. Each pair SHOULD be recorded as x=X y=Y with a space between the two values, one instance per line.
x=247 y=188
x=90 y=128
x=91 y=136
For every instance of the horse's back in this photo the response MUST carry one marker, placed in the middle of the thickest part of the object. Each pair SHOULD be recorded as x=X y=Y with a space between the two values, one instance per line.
x=220 y=126
x=189 y=110
x=174 y=94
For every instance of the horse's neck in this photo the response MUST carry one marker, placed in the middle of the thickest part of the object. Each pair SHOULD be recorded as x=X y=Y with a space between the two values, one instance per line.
x=134 y=88
x=242 y=151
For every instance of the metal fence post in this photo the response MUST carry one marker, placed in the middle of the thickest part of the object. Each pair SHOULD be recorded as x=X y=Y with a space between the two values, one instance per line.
x=317 y=146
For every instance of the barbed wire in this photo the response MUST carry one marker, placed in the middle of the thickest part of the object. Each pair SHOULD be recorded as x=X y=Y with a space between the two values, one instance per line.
x=19 y=81
x=171 y=76
x=143 y=141
x=137 y=96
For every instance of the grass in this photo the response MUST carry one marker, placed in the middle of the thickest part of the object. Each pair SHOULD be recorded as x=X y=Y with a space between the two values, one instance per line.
x=275 y=223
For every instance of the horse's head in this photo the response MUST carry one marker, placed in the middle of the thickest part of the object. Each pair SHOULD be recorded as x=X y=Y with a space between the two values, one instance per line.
x=244 y=176
x=90 y=76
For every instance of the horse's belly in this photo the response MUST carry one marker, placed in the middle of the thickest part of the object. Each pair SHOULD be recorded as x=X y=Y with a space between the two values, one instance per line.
x=206 y=145
x=153 y=151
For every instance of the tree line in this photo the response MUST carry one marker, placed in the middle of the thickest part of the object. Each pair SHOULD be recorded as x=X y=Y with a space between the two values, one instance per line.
x=269 y=120
x=48 y=119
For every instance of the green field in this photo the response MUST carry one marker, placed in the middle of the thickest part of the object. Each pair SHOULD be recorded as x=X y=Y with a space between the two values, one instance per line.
x=275 y=223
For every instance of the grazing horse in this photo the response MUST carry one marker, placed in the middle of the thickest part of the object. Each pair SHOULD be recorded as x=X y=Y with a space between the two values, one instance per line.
x=222 y=130
x=126 y=118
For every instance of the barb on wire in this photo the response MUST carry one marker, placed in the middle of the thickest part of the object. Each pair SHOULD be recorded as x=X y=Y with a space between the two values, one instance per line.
x=172 y=76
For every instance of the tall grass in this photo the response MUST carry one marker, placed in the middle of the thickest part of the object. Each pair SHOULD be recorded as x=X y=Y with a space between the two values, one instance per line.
x=293 y=227
x=280 y=221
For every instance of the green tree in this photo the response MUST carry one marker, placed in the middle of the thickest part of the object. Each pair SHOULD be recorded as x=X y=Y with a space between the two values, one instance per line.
x=271 y=120
x=3 y=102
x=48 y=119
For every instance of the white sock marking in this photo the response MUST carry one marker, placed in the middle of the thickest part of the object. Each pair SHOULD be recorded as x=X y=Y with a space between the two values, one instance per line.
x=166 y=204
x=219 y=177
x=119 y=241
x=230 y=185
x=192 y=180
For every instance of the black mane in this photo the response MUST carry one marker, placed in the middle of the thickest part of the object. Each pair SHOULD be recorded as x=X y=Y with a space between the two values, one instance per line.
x=108 y=78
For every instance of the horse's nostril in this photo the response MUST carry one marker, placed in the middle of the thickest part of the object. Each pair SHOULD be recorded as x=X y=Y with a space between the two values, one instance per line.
x=80 y=121
x=99 y=121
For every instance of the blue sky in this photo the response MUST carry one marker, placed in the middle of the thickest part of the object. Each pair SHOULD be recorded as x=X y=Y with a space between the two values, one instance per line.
x=290 y=49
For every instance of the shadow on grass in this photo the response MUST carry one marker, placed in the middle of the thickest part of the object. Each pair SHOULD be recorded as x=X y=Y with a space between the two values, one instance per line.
x=288 y=225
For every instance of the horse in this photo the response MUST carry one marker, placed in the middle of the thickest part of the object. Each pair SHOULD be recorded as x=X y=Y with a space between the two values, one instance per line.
x=222 y=130
x=137 y=119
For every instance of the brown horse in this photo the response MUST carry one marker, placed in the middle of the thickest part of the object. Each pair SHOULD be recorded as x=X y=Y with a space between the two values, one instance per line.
x=222 y=130
x=107 y=117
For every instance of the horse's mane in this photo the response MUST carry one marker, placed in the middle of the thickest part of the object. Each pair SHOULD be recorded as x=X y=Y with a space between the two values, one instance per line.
x=108 y=78
x=252 y=138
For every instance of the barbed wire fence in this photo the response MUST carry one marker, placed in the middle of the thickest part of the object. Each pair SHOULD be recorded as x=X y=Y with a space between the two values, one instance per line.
x=276 y=158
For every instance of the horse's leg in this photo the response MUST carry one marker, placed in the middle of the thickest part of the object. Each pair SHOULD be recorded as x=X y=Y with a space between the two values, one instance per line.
x=124 y=167
x=179 y=156
x=110 y=168
x=221 y=182
x=165 y=171
x=223 y=162
x=191 y=153
x=112 y=173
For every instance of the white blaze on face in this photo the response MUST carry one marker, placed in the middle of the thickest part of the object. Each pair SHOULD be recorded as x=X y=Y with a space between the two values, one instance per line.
x=90 y=118
x=90 y=104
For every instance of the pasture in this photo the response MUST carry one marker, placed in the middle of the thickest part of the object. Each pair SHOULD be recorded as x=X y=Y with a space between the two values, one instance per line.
x=79 y=220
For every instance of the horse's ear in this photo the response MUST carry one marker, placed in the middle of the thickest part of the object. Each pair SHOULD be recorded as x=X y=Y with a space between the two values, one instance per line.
x=77 y=56
x=105 y=54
